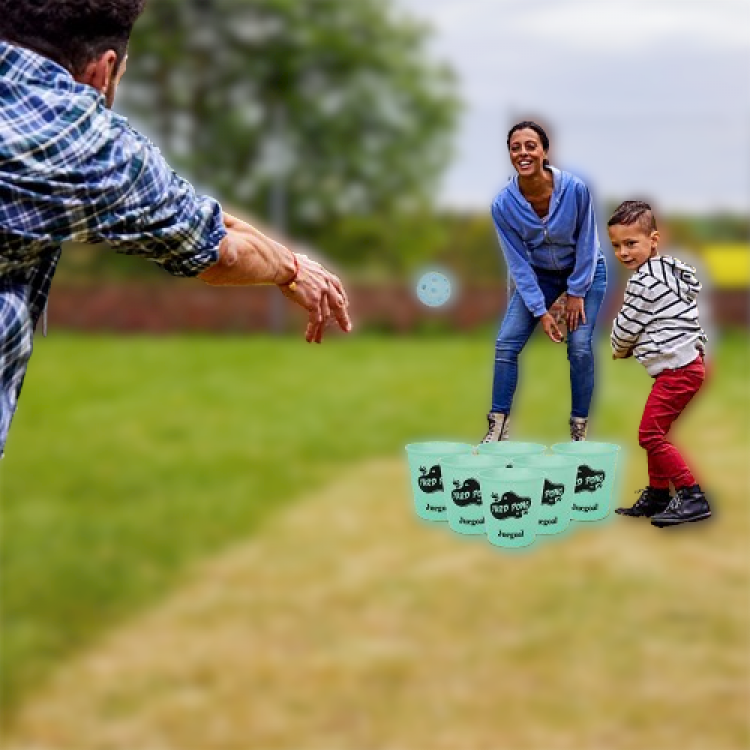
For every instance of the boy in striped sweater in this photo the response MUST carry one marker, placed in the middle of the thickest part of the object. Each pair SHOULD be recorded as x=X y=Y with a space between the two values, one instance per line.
x=658 y=323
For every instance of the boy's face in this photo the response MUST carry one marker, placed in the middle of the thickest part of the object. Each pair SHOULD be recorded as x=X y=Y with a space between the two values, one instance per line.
x=633 y=245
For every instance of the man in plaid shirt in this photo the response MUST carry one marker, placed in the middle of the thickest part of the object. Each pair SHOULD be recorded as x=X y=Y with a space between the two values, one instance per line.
x=71 y=169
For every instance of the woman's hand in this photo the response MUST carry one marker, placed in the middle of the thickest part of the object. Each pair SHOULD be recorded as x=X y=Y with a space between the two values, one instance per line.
x=574 y=312
x=550 y=328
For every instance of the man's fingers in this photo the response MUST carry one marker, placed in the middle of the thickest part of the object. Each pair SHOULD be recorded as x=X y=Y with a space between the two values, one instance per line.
x=344 y=321
x=339 y=305
x=322 y=294
x=335 y=281
x=325 y=311
x=313 y=323
x=312 y=326
x=317 y=309
x=318 y=319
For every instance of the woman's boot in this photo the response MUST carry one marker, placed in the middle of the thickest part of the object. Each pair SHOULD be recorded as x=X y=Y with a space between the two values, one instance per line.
x=578 y=427
x=498 y=427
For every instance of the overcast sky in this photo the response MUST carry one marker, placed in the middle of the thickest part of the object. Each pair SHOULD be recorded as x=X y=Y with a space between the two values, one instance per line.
x=643 y=98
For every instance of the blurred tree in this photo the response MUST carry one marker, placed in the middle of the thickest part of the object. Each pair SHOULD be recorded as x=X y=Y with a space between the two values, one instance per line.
x=472 y=249
x=388 y=246
x=337 y=99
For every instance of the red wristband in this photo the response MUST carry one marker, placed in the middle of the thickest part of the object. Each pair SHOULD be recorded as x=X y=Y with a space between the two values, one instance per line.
x=295 y=274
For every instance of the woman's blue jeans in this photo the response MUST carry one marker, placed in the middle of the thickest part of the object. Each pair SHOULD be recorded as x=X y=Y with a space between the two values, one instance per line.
x=518 y=325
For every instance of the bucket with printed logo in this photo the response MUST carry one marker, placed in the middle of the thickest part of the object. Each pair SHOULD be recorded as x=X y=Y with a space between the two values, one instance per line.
x=596 y=469
x=558 y=474
x=509 y=449
x=425 y=471
x=510 y=498
x=464 y=496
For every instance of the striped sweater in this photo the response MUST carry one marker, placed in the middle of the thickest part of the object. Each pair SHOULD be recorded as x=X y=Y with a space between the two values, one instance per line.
x=658 y=322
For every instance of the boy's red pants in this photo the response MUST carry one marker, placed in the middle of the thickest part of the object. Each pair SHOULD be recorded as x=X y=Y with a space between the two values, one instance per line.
x=670 y=394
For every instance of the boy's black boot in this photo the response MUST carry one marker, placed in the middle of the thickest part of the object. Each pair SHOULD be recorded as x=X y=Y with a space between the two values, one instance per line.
x=651 y=501
x=688 y=504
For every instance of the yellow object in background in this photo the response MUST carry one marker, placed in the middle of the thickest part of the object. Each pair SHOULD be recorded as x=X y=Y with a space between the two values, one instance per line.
x=728 y=264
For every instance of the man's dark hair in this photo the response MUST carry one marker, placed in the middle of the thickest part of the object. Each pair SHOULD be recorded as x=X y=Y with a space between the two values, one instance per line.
x=538 y=129
x=71 y=32
x=634 y=212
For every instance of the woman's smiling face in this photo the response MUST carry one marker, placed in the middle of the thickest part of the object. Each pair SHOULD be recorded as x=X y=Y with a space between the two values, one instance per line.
x=526 y=152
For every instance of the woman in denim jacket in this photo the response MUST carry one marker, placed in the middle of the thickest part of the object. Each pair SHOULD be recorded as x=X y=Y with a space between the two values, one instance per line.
x=547 y=230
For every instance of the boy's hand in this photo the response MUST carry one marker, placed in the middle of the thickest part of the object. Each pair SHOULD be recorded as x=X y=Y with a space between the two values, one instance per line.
x=622 y=355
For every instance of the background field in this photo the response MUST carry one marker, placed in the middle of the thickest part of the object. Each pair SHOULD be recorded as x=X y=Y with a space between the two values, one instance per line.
x=133 y=461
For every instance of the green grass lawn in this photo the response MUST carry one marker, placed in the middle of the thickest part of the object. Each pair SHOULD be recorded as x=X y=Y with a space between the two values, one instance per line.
x=131 y=459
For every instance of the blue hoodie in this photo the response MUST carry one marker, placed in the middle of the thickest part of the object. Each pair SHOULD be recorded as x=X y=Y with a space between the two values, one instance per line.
x=565 y=240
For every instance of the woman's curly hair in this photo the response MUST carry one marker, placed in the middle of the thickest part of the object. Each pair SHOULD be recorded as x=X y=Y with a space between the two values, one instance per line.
x=70 y=32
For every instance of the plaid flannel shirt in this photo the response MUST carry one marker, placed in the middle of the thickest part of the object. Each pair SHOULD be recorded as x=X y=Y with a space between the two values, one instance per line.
x=73 y=170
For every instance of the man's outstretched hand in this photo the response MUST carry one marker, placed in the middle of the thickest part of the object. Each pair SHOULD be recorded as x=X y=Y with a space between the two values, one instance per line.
x=247 y=257
x=322 y=294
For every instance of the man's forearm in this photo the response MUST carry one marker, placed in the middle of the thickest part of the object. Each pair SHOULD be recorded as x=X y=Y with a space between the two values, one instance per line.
x=248 y=256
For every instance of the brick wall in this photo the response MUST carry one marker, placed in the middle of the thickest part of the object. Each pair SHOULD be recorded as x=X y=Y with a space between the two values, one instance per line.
x=185 y=305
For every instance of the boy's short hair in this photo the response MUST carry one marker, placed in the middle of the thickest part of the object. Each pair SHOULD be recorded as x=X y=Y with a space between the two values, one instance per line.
x=634 y=212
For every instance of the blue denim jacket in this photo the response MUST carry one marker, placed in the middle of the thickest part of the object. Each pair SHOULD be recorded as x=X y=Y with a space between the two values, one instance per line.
x=565 y=240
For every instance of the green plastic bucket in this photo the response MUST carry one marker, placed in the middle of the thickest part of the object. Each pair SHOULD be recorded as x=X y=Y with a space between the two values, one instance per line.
x=464 y=496
x=510 y=449
x=425 y=471
x=558 y=474
x=511 y=499
x=596 y=470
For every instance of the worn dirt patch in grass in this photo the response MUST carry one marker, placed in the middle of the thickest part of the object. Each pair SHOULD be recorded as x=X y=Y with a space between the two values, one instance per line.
x=348 y=623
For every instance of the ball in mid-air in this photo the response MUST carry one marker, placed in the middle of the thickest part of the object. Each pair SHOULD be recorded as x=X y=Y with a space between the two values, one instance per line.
x=433 y=289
